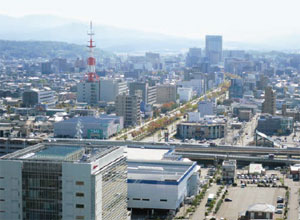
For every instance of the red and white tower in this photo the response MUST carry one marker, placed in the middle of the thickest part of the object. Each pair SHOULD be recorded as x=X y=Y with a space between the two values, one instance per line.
x=91 y=75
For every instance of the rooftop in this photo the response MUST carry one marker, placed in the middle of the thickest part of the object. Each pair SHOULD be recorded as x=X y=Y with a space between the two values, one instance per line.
x=79 y=153
x=159 y=170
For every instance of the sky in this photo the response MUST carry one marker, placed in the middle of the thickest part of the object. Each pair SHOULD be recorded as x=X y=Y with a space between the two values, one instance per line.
x=238 y=20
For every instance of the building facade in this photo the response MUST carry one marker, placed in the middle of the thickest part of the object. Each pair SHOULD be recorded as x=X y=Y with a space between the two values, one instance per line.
x=165 y=94
x=88 y=92
x=228 y=171
x=200 y=130
x=64 y=182
x=92 y=127
x=128 y=106
x=269 y=105
x=33 y=97
x=271 y=125
x=213 y=48
x=148 y=92
x=110 y=89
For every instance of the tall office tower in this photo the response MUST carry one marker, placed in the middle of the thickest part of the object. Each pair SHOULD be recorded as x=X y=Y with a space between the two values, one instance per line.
x=213 y=48
x=111 y=88
x=64 y=181
x=89 y=89
x=193 y=57
x=148 y=92
x=269 y=105
x=128 y=106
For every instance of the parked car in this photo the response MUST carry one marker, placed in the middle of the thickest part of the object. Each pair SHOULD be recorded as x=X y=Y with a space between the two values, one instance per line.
x=278 y=211
x=228 y=200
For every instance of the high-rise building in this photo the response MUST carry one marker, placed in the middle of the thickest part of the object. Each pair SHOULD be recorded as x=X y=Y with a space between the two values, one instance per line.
x=64 y=181
x=111 y=88
x=128 y=106
x=269 y=105
x=148 y=92
x=193 y=57
x=213 y=48
x=46 y=68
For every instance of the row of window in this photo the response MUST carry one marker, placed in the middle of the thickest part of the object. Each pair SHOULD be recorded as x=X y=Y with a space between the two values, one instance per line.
x=139 y=199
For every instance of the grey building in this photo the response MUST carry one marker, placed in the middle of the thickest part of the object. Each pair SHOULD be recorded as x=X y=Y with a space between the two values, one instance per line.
x=269 y=105
x=167 y=93
x=193 y=57
x=128 y=106
x=228 y=171
x=271 y=125
x=213 y=48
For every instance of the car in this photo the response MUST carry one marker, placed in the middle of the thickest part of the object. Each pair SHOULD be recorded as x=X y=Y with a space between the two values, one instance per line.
x=243 y=185
x=278 y=211
x=228 y=200
x=280 y=206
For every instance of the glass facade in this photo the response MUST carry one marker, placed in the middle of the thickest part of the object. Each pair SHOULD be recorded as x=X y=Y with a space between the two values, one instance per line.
x=42 y=191
x=114 y=191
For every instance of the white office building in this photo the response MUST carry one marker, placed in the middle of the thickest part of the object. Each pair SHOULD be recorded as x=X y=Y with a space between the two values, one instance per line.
x=111 y=88
x=60 y=181
x=32 y=97
x=185 y=94
x=88 y=92
x=158 y=179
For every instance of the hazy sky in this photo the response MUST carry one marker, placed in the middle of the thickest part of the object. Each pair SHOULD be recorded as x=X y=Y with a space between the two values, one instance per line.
x=235 y=19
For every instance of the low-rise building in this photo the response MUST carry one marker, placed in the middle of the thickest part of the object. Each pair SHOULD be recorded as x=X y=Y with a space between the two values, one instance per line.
x=32 y=97
x=160 y=184
x=258 y=211
x=101 y=127
x=228 y=171
x=206 y=128
x=271 y=125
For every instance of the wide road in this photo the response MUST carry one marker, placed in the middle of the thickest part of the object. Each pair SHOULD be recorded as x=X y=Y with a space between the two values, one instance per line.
x=200 y=211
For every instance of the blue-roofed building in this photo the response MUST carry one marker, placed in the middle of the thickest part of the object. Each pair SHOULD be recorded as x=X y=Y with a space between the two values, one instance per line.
x=160 y=182
x=92 y=127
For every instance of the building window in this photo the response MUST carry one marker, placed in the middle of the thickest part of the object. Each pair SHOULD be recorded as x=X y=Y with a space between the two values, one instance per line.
x=80 y=194
x=79 y=206
x=146 y=199
x=79 y=217
x=79 y=183
x=163 y=200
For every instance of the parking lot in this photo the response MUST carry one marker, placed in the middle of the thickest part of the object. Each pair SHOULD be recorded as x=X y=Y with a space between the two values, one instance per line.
x=242 y=198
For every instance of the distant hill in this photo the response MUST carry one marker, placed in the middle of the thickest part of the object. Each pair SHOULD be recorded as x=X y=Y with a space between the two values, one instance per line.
x=54 y=28
x=45 y=49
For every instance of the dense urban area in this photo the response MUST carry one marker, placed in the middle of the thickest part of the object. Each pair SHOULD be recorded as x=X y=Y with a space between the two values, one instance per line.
x=208 y=133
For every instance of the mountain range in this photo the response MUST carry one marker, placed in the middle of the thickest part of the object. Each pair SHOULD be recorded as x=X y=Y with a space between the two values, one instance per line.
x=115 y=39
